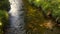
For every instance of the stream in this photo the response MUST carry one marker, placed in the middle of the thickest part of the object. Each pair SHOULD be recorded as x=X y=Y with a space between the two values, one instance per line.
x=16 y=18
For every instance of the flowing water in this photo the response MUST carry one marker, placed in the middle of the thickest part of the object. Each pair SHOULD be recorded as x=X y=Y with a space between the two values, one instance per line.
x=16 y=17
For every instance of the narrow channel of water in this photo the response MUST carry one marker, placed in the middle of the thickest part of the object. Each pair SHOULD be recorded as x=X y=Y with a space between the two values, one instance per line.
x=16 y=17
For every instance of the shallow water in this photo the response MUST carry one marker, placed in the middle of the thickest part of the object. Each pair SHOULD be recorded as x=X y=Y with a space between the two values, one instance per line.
x=16 y=18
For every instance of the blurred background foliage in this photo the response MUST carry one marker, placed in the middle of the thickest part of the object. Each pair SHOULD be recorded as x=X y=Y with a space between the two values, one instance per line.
x=4 y=8
x=4 y=5
x=39 y=12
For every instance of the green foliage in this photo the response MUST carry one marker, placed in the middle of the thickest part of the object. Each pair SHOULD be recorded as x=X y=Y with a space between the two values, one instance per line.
x=35 y=17
x=48 y=5
x=4 y=7
x=3 y=19
x=36 y=3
